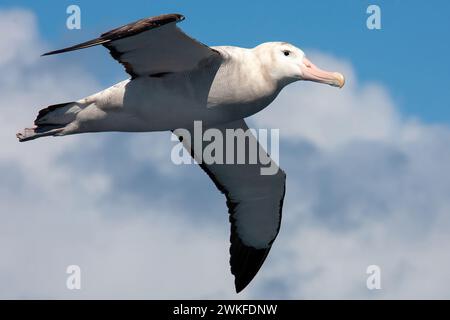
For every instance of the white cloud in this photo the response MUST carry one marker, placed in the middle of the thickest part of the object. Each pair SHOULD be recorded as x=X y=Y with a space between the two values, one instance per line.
x=366 y=185
x=18 y=41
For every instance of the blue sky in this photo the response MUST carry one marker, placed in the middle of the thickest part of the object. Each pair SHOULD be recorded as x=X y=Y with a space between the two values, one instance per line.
x=409 y=55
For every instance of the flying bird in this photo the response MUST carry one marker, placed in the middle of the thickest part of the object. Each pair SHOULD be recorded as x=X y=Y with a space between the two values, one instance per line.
x=176 y=80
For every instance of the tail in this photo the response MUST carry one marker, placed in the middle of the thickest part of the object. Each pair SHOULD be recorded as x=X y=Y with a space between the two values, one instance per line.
x=51 y=121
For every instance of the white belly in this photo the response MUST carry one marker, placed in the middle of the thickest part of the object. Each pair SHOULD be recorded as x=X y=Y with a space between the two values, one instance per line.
x=169 y=102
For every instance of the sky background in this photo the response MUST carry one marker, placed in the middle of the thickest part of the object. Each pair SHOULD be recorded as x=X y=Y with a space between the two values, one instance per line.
x=367 y=166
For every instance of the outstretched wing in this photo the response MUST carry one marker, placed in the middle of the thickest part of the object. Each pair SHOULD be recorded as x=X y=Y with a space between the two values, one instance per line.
x=254 y=201
x=151 y=46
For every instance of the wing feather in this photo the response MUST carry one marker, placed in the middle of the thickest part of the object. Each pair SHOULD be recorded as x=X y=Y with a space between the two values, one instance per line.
x=254 y=204
x=150 y=46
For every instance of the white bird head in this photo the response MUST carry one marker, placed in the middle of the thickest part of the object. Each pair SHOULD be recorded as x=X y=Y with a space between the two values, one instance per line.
x=287 y=63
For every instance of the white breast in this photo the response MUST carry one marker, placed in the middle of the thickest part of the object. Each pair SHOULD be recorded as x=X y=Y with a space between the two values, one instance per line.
x=240 y=81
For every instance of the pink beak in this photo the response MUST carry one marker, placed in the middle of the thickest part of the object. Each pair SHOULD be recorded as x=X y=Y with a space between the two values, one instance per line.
x=312 y=73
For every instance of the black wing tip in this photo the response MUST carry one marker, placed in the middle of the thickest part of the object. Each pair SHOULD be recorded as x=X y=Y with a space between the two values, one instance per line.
x=62 y=50
x=52 y=53
x=245 y=262
x=241 y=284
x=246 y=273
x=83 y=45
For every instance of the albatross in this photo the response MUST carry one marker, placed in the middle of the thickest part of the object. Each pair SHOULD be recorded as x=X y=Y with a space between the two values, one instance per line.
x=175 y=81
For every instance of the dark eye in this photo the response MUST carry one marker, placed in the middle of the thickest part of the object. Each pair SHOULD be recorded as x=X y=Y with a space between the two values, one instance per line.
x=286 y=52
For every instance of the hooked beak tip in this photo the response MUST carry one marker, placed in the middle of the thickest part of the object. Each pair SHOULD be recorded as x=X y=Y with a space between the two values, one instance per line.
x=312 y=73
x=340 y=79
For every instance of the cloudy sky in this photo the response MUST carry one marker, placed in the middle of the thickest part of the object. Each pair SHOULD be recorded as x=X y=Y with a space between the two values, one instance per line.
x=367 y=166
